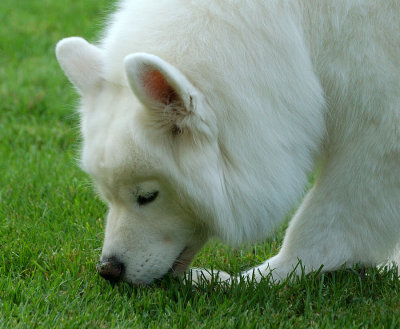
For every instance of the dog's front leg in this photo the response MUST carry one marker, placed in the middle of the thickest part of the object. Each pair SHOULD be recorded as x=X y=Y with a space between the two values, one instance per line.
x=347 y=218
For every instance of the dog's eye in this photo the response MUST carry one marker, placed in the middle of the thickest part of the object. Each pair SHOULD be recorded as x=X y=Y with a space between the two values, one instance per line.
x=145 y=199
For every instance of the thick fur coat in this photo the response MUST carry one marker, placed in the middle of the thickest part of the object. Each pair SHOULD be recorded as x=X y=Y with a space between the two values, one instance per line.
x=204 y=118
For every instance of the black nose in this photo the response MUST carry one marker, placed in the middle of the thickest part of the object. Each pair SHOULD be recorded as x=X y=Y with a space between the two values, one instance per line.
x=110 y=269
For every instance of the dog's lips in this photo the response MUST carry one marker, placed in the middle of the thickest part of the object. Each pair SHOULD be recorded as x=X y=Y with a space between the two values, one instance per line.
x=182 y=262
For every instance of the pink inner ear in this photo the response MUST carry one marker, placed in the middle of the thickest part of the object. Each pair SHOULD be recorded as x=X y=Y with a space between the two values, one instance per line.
x=157 y=87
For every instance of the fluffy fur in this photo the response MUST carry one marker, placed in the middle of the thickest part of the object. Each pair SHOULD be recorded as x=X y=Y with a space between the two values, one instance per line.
x=224 y=107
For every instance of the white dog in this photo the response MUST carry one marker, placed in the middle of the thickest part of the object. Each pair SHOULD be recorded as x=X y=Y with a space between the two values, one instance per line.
x=204 y=118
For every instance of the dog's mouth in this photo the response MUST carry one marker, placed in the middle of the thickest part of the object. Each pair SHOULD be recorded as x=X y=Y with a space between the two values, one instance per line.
x=182 y=262
x=179 y=266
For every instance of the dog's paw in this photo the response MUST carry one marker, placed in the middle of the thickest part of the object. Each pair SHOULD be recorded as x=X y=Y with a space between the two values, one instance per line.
x=199 y=275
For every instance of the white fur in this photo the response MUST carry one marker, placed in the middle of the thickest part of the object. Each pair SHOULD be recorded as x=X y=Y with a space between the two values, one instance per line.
x=262 y=90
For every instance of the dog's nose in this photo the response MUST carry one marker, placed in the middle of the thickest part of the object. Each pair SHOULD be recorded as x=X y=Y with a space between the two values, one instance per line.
x=110 y=269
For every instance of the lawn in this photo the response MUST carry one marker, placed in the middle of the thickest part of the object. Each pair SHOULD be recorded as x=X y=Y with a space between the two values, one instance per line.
x=51 y=221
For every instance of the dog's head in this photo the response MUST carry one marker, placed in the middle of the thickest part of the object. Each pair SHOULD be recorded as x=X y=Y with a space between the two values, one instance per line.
x=218 y=147
x=142 y=144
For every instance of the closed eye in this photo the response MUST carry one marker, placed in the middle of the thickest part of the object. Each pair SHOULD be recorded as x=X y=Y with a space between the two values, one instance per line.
x=143 y=200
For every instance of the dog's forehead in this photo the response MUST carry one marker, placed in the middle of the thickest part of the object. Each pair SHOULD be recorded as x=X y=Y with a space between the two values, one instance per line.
x=116 y=155
x=111 y=151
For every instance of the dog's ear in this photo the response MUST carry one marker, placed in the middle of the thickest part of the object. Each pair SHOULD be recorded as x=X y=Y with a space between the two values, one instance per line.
x=172 y=102
x=81 y=61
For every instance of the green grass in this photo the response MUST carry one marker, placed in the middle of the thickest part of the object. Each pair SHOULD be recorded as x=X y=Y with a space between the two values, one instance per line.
x=51 y=222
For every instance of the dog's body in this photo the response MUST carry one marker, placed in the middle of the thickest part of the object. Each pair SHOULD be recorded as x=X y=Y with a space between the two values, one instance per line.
x=233 y=103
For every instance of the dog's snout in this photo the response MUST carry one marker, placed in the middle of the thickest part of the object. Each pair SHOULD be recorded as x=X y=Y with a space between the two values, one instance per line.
x=110 y=269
